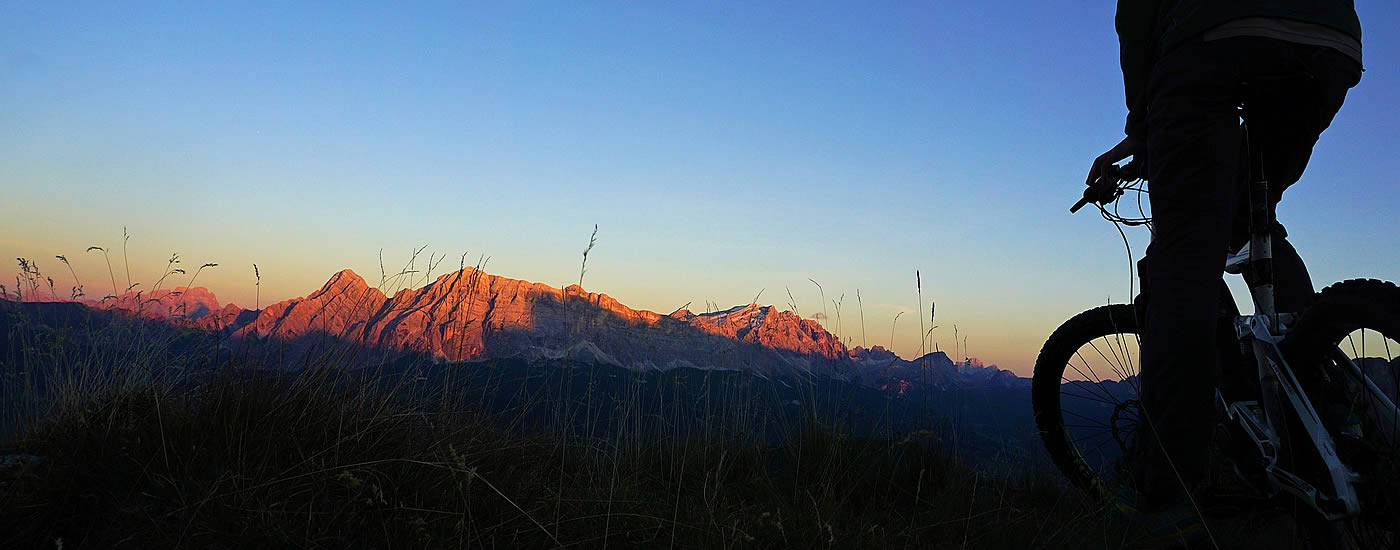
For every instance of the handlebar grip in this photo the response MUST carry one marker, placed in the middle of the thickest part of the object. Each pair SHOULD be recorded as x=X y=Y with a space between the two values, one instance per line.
x=1079 y=205
x=1101 y=192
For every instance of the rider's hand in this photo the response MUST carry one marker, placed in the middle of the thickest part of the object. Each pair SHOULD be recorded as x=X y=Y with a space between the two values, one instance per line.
x=1130 y=146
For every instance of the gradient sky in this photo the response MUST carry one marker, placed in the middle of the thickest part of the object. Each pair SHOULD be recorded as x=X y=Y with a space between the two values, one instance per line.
x=721 y=148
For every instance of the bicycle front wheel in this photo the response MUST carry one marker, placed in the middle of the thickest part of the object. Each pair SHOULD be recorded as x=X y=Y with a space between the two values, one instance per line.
x=1344 y=348
x=1084 y=393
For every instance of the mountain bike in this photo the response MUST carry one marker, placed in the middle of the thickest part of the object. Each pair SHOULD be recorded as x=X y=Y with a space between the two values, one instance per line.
x=1305 y=401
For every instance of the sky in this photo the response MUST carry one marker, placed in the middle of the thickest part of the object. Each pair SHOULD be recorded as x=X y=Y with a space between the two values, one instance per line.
x=722 y=149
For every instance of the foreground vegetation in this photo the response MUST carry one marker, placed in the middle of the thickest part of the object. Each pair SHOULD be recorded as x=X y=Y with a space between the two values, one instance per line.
x=121 y=433
x=253 y=460
x=250 y=461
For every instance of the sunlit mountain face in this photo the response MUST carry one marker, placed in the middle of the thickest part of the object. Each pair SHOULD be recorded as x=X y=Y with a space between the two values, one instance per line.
x=471 y=315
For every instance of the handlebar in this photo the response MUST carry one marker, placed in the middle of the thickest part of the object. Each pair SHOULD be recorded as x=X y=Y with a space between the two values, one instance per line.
x=1106 y=189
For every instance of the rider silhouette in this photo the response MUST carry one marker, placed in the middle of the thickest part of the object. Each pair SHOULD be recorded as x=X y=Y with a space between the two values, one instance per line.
x=1188 y=65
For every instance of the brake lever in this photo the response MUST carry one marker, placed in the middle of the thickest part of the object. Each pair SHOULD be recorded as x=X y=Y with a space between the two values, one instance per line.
x=1103 y=192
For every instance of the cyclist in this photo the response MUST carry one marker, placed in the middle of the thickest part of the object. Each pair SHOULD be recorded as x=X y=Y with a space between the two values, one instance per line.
x=1187 y=66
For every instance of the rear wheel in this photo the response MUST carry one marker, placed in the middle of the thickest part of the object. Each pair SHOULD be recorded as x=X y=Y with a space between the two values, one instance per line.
x=1085 y=396
x=1345 y=348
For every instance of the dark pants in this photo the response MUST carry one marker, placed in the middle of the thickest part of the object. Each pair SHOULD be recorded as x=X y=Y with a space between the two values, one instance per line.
x=1200 y=206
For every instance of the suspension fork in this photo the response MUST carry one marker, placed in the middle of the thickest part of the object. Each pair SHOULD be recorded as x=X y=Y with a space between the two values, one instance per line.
x=1261 y=244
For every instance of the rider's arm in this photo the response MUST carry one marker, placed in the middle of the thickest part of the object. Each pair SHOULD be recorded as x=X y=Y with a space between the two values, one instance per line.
x=1137 y=41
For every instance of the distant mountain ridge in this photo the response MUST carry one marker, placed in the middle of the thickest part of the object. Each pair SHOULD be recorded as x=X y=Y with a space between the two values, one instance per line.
x=471 y=315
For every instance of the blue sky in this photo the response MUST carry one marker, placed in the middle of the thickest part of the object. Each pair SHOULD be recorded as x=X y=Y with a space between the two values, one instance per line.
x=721 y=148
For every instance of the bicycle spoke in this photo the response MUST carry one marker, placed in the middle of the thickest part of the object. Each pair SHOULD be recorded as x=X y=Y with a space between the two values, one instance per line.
x=1116 y=352
x=1121 y=364
x=1111 y=400
x=1361 y=362
x=1098 y=383
x=1116 y=370
x=1112 y=364
x=1108 y=344
x=1119 y=367
x=1097 y=378
x=1098 y=422
x=1134 y=379
x=1128 y=356
x=1085 y=397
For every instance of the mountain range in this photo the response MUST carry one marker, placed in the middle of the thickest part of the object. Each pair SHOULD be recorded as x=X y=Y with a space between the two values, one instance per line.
x=471 y=315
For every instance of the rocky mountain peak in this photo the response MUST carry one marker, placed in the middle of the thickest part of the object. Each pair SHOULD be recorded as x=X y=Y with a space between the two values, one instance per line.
x=344 y=281
x=874 y=353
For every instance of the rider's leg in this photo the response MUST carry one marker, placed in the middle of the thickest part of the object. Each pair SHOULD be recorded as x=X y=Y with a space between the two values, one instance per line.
x=1193 y=161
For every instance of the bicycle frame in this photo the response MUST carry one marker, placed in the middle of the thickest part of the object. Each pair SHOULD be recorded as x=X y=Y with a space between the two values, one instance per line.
x=1279 y=388
x=1264 y=421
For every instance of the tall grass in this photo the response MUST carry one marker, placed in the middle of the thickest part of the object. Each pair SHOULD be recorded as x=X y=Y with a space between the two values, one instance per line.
x=131 y=433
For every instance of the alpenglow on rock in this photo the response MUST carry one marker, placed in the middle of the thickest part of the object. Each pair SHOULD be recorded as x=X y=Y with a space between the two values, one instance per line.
x=471 y=315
